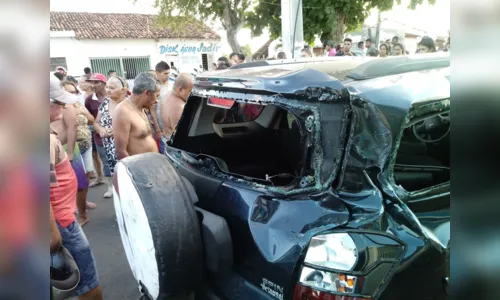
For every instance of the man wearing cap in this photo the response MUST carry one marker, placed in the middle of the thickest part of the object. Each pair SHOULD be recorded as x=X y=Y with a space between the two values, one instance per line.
x=62 y=70
x=92 y=102
x=64 y=229
x=67 y=128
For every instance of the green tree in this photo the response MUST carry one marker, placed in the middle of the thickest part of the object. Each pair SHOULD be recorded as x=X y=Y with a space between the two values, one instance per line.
x=247 y=50
x=329 y=19
x=231 y=13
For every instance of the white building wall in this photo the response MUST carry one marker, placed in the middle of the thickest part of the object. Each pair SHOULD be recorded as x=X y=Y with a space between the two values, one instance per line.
x=79 y=52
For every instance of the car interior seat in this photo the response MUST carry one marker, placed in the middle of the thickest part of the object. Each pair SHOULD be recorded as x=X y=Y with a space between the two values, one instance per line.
x=414 y=153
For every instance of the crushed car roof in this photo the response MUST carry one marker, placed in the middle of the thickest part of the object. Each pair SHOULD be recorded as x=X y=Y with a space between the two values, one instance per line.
x=400 y=64
x=268 y=80
x=402 y=90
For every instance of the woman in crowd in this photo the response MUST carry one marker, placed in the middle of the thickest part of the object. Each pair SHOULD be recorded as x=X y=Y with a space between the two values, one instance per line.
x=389 y=45
x=116 y=92
x=384 y=51
x=398 y=49
x=426 y=45
x=84 y=146
x=86 y=90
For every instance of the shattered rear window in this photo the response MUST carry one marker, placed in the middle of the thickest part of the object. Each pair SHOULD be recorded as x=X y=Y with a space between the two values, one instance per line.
x=238 y=113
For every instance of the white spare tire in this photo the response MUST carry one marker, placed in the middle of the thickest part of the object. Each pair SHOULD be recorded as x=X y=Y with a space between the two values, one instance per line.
x=158 y=225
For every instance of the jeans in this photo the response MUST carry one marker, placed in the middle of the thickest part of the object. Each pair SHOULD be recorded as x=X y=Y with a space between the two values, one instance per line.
x=76 y=242
x=163 y=144
x=104 y=160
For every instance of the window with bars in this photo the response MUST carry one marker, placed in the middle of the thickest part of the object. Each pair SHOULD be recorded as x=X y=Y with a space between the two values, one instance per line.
x=204 y=61
x=210 y=62
x=132 y=66
x=56 y=62
x=128 y=67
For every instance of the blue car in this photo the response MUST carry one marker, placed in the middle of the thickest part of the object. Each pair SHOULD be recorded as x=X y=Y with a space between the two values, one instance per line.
x=300 y=179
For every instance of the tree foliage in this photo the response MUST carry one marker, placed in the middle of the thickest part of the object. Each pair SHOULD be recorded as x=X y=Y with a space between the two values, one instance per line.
x=231 y=13
x=329 y=19
x=247 y=50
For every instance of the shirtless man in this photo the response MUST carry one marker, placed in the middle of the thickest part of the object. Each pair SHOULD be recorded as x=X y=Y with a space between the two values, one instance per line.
x=66 y=128
x=172 y=106
x=131 y=128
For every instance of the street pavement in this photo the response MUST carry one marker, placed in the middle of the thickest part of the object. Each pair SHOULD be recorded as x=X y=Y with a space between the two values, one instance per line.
x=103 y=234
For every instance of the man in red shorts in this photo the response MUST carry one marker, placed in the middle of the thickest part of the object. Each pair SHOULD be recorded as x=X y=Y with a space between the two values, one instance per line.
x=64 y=229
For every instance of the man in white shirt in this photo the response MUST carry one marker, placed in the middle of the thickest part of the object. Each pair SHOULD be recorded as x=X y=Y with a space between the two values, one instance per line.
x=162 y=71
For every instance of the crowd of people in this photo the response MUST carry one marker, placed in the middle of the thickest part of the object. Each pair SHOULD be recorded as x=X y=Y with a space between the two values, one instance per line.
x=225 y=63
x=94 y=122
x=391 y=47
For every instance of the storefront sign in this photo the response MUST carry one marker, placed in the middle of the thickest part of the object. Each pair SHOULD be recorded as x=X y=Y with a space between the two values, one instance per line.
x=178 y=49
x=190 y=60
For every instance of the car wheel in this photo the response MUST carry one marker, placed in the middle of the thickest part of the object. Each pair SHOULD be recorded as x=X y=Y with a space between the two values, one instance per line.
x=158 y=225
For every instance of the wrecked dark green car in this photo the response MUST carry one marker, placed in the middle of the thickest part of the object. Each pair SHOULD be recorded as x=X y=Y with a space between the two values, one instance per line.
x=285 y=182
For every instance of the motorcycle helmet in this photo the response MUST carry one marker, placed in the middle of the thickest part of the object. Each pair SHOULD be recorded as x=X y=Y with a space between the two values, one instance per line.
x=64 y=274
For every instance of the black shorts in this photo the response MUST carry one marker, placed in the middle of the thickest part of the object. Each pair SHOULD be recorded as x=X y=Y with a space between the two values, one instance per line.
x=94 y=148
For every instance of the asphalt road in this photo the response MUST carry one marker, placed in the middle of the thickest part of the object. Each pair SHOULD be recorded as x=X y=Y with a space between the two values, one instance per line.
x=103 y=234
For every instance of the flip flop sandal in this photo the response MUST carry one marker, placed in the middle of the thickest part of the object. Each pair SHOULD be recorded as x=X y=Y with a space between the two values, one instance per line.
x=84 y=223
x=76 y=211
x=94 y=182
x=91 y=205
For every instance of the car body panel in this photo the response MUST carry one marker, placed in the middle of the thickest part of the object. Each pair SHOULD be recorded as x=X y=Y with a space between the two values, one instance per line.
x=272 y=231
x=271 y=228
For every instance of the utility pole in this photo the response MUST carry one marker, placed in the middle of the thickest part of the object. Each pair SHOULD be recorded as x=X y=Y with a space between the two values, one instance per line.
x=377 y=34
x=292 y=29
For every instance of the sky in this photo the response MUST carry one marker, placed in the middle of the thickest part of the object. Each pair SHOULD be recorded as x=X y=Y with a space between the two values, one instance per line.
x=432 y=18
x=437 y=17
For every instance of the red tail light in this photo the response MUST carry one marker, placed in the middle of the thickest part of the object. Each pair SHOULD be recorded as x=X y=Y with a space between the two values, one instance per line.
x=220 y=102
x=302 y=292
